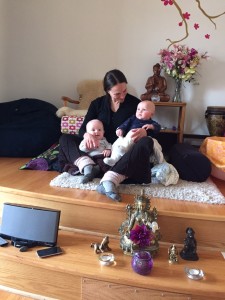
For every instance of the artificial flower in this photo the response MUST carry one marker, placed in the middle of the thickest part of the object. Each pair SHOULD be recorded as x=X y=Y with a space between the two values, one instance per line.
x=141 y=236
x=181 y=62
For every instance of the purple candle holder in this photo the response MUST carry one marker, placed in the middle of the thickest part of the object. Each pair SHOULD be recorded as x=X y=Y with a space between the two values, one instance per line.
x=142 y=262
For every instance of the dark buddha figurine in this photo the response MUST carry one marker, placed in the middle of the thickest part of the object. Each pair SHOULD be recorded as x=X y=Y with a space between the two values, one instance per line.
x=156 y=86
x=190 y=246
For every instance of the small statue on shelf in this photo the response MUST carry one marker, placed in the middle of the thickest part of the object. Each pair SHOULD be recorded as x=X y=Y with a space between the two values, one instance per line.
x=189 y=251
x=101 y=247
x=173 y=254
x=156 y=86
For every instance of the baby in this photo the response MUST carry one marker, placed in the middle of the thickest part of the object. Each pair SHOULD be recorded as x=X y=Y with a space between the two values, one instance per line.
x=86 y=165
x=142 y=119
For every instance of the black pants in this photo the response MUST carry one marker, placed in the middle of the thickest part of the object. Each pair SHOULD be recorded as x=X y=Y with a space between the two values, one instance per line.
x=134 y=164
x=68 y=153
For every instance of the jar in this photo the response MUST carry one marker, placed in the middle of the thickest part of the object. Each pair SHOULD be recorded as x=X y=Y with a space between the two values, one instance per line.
x=155 y=98
x=142 y=262
x=215 y=120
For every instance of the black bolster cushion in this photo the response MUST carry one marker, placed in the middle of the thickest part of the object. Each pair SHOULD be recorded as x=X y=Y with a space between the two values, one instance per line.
x=191 y=164
x=27 y=127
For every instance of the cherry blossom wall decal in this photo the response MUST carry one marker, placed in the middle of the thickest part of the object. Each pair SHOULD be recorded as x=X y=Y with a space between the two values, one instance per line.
x=186 y=17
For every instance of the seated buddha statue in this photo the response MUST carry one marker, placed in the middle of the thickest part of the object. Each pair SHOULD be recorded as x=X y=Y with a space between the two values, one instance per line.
x=156 y=86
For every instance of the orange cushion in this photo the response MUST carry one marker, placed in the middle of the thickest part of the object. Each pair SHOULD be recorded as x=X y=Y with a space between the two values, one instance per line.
x=216 y=172
x=214 y=148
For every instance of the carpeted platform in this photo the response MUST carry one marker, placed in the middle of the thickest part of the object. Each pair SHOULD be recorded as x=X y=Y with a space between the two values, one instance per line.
x=205 y=192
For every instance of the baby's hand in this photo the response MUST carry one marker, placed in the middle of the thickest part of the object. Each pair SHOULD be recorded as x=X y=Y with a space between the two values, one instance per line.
x=106 y=152
x=119 y=132
x=137 y=134
x=148 y=126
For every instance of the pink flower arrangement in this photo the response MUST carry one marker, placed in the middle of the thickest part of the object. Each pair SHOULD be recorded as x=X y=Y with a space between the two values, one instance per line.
x=181 y=62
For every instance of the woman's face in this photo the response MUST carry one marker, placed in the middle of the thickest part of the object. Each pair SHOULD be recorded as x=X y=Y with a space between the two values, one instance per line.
x=118 y=92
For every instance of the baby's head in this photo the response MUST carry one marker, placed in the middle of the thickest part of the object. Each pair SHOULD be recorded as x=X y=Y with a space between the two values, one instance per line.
x=95 y=127
x=145 y=110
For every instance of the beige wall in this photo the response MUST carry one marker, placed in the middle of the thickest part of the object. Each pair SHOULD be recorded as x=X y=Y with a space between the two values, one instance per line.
x=47 y=46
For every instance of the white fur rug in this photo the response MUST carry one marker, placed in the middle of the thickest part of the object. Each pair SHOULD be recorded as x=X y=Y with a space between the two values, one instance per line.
x=205 y=192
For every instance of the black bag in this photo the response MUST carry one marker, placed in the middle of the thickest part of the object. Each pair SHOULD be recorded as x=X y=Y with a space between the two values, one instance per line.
x=191 y=164
x=27 y=127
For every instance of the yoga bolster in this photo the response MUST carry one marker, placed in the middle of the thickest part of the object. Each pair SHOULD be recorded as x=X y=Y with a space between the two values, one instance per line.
x=191 y=164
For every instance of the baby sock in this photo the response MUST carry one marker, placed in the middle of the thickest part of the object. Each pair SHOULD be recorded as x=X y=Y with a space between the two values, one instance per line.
x=90 y=172
x=88 y=169
x=114 y=177
x=109 y=183
x=109 y=186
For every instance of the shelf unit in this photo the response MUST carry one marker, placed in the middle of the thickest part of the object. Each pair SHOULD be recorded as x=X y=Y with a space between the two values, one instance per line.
x=181 y=117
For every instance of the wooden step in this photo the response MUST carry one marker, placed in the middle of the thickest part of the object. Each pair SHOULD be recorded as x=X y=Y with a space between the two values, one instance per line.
x=90 y=211
x=87 y=216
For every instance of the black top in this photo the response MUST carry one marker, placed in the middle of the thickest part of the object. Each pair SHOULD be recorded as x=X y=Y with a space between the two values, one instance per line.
x=100 y=109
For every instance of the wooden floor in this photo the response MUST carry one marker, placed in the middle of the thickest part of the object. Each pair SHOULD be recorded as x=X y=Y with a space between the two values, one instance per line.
x=94 y=211
x=7 y=295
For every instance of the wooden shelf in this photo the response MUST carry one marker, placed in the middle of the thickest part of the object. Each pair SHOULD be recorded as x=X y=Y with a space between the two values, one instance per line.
x=77 y=274
x=181 y=117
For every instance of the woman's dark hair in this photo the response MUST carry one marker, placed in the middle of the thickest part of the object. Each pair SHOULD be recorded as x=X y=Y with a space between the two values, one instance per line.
x=112 y=78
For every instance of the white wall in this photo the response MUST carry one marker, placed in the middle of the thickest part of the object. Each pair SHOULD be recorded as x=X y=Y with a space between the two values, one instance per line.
x=47 y=46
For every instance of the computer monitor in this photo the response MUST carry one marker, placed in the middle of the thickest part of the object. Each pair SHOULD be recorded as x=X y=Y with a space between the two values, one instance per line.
x=31 y=224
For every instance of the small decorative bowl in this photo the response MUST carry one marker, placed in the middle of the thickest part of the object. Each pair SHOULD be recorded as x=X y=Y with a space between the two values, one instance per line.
x=195 y=274
x=106 y=259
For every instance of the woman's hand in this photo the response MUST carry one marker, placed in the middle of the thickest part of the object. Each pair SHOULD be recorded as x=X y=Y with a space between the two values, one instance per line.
x=106 y=152
x=91 y=142
x=137 y=134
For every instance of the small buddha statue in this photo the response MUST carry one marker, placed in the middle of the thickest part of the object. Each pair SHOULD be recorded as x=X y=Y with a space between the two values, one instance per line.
x=156 y=86
x=189 y=251
x=173 y=254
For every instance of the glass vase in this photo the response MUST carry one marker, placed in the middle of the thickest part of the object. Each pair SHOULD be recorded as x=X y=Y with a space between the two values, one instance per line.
x=142 y=262
x=177 y=95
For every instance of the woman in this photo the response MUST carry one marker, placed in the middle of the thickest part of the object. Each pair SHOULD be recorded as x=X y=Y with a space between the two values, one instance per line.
x=112 y=109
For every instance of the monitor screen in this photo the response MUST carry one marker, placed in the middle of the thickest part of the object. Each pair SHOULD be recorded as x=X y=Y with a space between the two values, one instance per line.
x=30 y=223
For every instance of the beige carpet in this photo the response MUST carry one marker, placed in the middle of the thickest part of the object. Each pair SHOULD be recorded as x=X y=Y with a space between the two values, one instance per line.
x=205 y=192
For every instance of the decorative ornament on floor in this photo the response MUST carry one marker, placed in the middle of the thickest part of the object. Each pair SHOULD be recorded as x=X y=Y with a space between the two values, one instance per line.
x=181 y=64
x=140 y=231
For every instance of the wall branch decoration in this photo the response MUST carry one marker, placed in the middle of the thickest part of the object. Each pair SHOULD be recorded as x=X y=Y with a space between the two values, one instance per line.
x=186 y=16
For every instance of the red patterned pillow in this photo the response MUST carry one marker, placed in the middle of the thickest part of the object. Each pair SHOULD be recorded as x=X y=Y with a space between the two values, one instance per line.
x=71 y=124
